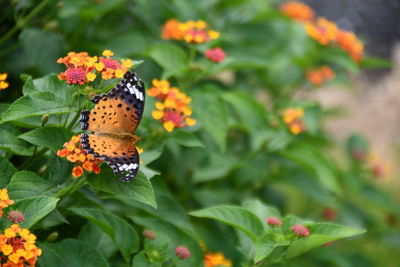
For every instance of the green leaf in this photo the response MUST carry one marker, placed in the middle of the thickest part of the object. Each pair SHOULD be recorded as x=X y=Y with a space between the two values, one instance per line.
x=35 y=208
x=34 y=40
x=215 y=119
x=261 y=210
x=250 y=113
x=375 y=63
x=139 y=189
x=266 y=244
x=26 y=184
x=10 y=142
x=170 y=57
x=46 y=95
x=186 y=139
x=177 y=237
x=70 y=252
x=235 y=216
x=142 y=261
x=313 y=160
x=123 y=234
x=6 y=171
x=320 y=234
x=50 y=137
x=94 y=237
x=34 y=105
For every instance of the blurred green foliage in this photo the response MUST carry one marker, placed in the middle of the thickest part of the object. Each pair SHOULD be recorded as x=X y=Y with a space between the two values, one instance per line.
x=211 y=185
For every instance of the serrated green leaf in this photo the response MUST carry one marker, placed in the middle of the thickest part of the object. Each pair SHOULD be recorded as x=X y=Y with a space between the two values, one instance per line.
x=70 y=252
x=170 y=57
x=26 y=184
x=50 y=137
x=237 y=217
x=261 y=210
x=7 y=170
x=10 y=142
x=123 y=234
x=33 y=40
x=320 y=234
x=215 y=120
x=139 y=189
x=186 y=139
x=35 y=208
x=34 y=105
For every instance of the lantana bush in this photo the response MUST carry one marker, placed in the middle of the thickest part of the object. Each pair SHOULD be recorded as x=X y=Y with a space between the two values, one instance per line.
x=236 y=167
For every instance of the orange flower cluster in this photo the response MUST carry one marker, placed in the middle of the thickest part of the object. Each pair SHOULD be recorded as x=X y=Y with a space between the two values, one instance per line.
x=73 y=152
x=5 y=200
x=293 y=119
x=18 y=247
x=324 y=31
x=216 y=259
x=81 y=68
x=297 y=11
x=191 y=31
x=3 y=83
x=172 y=107
x=349 y=42
x=321 y=75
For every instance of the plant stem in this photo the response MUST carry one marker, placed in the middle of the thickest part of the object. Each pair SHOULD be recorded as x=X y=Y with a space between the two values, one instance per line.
x=33 y=158
x=22 y=22
x=72 y=187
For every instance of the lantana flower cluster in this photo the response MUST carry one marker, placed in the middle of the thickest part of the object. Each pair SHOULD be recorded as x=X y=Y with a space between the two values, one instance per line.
x=216 y=259
x=73 y=152
x=18 y=247
x=321 y=75
x=293 y=119
x=5 y=200
x=172 y=107
x=82 y=68
x=323 y=31
x=196 y=32
x=3 y=83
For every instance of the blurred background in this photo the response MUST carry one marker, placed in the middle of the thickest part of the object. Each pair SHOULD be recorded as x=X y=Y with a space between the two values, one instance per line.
x=267 y=57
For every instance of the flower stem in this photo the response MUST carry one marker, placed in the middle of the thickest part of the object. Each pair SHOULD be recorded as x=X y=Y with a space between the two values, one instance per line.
x=22 y=22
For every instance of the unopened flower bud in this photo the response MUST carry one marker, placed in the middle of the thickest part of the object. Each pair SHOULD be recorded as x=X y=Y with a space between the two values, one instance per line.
x=182 y=252
x=15 y=216
x=274 y=221
x=149 y=234
x=300 y=230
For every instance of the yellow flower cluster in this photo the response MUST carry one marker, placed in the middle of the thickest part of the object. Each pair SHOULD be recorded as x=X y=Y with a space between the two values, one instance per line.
x=18 y=247
x=172 y=107
x=216 y=259
x=190 y=31
x=5 y=200
x=81 y=68
x=293 y=119
x=3 y=83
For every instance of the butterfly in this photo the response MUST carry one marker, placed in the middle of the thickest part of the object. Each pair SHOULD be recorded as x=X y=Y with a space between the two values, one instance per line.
x=112 y=122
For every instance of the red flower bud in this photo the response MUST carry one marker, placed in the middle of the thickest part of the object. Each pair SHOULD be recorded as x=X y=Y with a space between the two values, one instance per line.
x=300 y=230
x=15 y=216
x=149 y=234
x=182 y=252
x=274 y=221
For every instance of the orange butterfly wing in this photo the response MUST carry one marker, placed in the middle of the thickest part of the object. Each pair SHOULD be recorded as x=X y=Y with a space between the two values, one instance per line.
x=120 y=154
x=113 y=120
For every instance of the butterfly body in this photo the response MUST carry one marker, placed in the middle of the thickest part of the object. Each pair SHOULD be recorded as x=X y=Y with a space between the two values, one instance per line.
x=112 y=122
